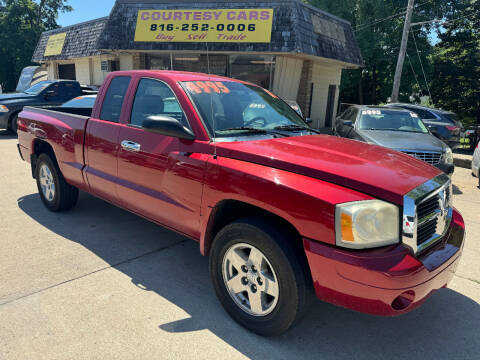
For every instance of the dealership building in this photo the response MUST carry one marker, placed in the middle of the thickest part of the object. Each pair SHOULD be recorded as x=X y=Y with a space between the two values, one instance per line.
x=293 y=49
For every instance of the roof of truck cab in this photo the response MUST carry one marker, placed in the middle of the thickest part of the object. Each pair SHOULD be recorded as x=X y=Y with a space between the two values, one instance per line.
x=179 y=76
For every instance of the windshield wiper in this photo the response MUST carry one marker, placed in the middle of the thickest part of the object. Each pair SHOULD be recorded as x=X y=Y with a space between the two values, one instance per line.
x=253 y=130
x=294 y=127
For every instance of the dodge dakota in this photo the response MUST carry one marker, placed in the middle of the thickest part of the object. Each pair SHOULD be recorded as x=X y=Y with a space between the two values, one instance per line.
x=282 y=212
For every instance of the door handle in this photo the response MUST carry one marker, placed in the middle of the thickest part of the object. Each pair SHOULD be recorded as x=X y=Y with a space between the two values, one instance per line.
x=130 y=146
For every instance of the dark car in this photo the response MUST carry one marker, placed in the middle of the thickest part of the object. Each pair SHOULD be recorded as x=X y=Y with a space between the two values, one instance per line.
x=396 y=129
x=443 y=124
x=44 y=93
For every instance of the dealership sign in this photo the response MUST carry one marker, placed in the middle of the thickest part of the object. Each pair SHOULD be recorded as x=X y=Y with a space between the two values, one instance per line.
x=215 y=25
x=55 y=44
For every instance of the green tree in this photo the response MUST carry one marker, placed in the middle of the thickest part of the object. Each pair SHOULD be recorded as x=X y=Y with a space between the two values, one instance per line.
x=21 y=24
x=378 y=28
x=456 y=63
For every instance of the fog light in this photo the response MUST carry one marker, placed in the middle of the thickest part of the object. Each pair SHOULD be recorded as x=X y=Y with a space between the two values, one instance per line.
x=403 y=301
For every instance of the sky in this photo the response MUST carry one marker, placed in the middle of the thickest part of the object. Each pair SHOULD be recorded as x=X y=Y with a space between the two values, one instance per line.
x=84 y=10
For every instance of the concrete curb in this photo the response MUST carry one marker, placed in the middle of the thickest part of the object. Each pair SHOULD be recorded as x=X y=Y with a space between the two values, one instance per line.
x=463 y=161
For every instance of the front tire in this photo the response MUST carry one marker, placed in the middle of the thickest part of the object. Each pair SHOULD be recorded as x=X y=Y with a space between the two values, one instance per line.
x=259 y=277
x=56 y=194
x=13 y=126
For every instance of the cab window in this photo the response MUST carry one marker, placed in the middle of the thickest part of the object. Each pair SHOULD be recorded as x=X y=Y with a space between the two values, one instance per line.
x=113 y=101
x=154 y=97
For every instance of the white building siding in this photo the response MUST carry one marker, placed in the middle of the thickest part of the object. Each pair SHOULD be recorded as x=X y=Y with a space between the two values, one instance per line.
x=83 y=71
x=287 y=77
x=52 y=70
x=322 y=77
x=126 y=62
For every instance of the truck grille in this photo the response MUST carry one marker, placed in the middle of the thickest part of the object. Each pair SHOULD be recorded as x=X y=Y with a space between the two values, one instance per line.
x=433 y=158
x=427 y=219
x=427 y=213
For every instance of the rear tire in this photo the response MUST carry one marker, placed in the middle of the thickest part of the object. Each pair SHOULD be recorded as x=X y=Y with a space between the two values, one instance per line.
x=280 y=279
x=56 y=194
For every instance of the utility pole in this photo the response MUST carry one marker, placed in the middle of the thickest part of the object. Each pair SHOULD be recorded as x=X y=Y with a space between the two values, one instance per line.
x=403 y=50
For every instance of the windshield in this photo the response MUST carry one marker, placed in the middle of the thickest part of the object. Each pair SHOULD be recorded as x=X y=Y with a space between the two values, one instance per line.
x=81 y=102
x=232 y=107
x=37 y=88
x=391 y=120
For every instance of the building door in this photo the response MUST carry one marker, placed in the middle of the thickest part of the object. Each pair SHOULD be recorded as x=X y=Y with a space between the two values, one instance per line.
x=67 y=72
x=332 y=92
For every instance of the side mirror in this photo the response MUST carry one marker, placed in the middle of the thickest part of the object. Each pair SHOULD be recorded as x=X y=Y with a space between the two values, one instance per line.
x=348 y=123
x=49 y=94
x=168 y=126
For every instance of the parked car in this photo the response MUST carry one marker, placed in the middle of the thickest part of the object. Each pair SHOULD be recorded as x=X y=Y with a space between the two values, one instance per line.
x=476 y=161
x=44 y=93
x=443 y=124
x=397 y=129
x=280 y=210
x=85 y=101
x=294 y=105
x=473 y=136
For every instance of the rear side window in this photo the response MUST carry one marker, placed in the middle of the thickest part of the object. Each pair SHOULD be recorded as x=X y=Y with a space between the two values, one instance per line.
x=423 y=114
x=69 y=90
x=113 y=102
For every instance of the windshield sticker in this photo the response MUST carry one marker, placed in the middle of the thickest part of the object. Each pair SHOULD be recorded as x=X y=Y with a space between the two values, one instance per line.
x=371 y=112
x=257 y=106
x=413 y=115
x=208 y=87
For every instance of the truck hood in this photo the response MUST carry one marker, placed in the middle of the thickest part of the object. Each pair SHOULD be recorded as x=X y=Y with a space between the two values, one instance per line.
x=401 y=140
x=370 y=169
x=14 y=96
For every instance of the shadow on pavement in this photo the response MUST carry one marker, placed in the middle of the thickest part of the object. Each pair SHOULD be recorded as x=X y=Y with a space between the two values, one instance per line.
x=456 y=190
x=5 y=134
x=445 y=327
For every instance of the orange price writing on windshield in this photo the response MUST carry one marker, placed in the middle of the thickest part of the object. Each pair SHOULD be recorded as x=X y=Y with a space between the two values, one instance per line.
x=208 y=87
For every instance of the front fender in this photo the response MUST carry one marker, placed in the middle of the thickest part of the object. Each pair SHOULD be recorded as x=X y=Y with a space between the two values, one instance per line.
x=306 y=203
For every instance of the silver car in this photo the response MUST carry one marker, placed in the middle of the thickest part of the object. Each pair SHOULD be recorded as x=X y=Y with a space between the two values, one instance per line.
x=476 y=162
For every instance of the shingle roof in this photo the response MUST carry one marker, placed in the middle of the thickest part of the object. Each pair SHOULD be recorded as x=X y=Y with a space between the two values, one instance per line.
x=81 y=41
x=297 y=28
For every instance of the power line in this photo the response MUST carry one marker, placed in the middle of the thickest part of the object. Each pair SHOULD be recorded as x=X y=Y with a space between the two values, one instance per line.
x=414 y=73
x=423 y=70
x=377 y=21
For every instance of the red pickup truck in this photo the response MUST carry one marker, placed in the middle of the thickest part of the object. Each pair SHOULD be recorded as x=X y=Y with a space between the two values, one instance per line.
x=279 y=209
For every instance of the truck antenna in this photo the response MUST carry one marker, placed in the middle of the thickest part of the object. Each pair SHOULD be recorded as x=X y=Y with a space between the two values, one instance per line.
x=211 y=107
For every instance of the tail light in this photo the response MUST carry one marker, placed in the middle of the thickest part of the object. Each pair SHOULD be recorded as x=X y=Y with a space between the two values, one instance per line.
x=451 y=128
x=21 y=126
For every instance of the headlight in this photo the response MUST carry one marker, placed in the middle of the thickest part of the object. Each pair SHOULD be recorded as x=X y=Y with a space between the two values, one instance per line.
x=367 y=224
x=3 y=108
x=448 y=156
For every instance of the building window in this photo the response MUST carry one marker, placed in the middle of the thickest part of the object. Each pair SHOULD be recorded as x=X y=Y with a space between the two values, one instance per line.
x=213 y=64
x=257 y=69
x=159 y=62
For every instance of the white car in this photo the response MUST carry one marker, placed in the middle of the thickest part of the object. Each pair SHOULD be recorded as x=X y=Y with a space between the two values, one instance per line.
x=476 y=161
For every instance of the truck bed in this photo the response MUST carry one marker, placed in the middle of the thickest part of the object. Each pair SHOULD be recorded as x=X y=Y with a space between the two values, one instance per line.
x=63 y=129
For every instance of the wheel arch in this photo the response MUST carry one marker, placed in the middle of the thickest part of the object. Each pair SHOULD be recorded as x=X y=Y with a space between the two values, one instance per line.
x=40 y=146
x=230 y=210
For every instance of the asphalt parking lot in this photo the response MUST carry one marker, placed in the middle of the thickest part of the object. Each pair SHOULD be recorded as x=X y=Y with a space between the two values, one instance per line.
x=101 y=283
